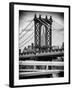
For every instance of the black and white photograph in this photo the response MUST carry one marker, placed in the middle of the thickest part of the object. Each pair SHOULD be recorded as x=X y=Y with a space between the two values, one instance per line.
x=40 y=44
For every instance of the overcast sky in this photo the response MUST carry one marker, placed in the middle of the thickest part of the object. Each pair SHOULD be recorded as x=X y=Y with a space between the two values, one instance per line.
x=57 y=26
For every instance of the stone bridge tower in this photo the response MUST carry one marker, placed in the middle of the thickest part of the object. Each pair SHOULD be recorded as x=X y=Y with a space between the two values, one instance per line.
x=43 y=33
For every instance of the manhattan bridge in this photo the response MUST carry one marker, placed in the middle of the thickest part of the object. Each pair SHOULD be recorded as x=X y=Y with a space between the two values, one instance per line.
x=42 y=34
x=40 y=57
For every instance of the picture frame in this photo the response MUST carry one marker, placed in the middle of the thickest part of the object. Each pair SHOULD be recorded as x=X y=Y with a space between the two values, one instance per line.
x=39 y=44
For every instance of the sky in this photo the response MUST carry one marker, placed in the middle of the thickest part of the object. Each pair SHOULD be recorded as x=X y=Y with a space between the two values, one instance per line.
x=25 y=19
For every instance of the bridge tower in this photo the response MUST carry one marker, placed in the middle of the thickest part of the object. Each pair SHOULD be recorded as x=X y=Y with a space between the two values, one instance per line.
x=43 y=33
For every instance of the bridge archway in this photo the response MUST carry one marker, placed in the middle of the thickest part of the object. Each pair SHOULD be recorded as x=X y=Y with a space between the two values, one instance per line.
x=43 y=25
x=43 y=34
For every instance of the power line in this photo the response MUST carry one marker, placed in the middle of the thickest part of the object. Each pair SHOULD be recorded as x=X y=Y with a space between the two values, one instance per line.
x=25 y=33
x=27 y=38
x=26 y=42
x=25 y=28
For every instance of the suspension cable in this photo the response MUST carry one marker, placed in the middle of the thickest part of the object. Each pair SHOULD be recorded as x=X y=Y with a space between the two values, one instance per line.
x=25 y=28
x=27 y=38
x=25 y=33
x=26 y=42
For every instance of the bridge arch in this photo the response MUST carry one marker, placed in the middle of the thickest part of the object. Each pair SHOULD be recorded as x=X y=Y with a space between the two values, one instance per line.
x=43 y=32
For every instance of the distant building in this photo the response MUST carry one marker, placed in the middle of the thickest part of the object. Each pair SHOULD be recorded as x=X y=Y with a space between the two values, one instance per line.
x=55 y=47
x=62 y=45
x=32 y=45
x=29 y=48
x=25 y=48
x=19 y=51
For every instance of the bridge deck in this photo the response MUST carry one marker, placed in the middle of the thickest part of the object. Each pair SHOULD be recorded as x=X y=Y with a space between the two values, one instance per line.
x=59 y=53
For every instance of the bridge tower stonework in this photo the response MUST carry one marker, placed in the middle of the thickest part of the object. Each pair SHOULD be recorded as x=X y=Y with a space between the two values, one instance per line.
x=47 y=26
